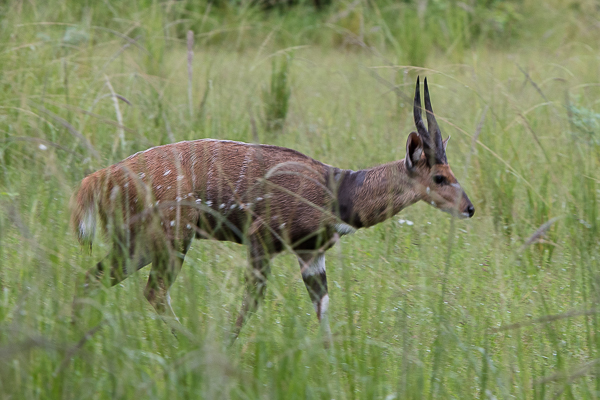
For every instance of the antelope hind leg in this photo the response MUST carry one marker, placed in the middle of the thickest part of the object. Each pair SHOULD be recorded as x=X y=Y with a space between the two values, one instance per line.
x=165 y=267
x=256 y=285
x=118 y=266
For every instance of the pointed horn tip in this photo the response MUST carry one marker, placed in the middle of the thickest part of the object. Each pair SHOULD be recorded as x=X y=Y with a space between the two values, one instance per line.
x=417 y=99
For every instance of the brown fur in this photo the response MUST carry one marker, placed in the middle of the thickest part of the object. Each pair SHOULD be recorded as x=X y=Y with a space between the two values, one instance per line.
x=216 y=192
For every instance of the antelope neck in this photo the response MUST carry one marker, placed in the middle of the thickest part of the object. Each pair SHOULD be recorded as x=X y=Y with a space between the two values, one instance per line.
x=369 y=196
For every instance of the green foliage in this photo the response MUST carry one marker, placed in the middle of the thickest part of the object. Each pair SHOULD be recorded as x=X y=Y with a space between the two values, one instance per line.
x=276 y=96
x=485 y=308
x=586 y=124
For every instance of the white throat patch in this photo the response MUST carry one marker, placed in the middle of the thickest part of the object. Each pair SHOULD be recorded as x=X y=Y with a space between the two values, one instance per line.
x=344 y=229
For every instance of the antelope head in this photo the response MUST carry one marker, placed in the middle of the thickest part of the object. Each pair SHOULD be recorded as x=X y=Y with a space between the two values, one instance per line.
x=427 y=164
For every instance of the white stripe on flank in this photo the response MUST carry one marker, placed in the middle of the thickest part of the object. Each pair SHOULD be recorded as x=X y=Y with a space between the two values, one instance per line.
x=247 y=160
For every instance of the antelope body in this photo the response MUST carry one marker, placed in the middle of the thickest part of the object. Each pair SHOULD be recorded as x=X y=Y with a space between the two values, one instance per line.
x=270 y=198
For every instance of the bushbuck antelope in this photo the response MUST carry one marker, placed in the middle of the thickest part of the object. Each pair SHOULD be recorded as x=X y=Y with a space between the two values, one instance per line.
x=270 y=198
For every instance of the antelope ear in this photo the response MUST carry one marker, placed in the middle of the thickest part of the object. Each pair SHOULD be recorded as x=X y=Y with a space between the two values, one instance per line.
x=445 y=142
x=414 y=149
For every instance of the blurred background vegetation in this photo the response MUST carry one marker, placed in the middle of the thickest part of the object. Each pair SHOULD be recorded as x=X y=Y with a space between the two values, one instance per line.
x=504 y=305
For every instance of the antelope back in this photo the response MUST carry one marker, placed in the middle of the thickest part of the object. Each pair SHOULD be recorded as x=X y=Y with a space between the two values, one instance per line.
x=216 y=189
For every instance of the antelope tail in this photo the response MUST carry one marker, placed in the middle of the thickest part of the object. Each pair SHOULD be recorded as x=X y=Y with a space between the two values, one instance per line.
x=83 y=210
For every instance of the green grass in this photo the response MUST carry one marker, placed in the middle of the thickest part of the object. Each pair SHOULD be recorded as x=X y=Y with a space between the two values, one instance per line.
x=437 y=309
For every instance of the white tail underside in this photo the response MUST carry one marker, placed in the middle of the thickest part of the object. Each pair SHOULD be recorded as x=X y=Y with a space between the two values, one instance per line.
x=87 y=226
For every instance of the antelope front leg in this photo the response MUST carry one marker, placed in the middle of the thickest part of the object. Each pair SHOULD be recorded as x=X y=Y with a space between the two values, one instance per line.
x=312 y=266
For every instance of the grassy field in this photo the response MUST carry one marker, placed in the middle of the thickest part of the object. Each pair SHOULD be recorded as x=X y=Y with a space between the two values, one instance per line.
x=504 y=305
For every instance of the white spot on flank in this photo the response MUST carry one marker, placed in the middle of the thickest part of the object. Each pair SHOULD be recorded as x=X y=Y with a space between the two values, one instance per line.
x=167 y=172
x=159 y=186
x=42 y=147
x=233 y=206
x=344 y=229
x=198 y=201
x=168 y=187
x=209 y=203
x=126 y=184
x=259 y=198
x=142 y=175
x=172 y=223
x=405 y=221
x=312 y=266
x=433 y=203
x=222 y=205
x=188 y=226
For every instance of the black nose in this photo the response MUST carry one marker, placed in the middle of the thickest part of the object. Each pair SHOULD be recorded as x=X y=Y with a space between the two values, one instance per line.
x=471 y=210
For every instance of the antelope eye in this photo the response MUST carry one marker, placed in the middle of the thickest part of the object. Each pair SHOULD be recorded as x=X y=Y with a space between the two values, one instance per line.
x=439 y=179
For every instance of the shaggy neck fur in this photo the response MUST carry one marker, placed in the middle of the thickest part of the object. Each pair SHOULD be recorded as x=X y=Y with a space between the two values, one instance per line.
x=370 y=196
